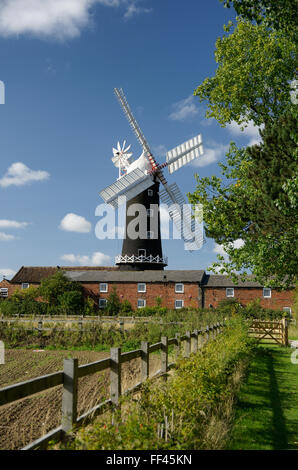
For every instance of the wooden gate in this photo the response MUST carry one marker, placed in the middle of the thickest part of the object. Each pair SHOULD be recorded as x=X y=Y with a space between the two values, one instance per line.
x=270 y=331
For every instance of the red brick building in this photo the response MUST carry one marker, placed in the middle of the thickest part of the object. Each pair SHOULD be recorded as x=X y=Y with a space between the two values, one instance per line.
x=6 y=289
x=176 y=288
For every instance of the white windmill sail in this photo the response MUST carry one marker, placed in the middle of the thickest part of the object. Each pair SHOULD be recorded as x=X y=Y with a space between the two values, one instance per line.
x=184 y=153
x=129 y=185
x=180 y=213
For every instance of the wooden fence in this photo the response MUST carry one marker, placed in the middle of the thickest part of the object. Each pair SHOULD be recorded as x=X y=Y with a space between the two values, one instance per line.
x=72 y=372
x=41 y=323
x=270 y=331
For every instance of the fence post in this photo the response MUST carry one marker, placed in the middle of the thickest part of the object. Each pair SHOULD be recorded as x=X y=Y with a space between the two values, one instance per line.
x=115 y=375
x=164 y=354
x=285 y=332
x=195 y=342
x=187 y=344
x=178 y=345
x=121 y=324
x=70 y=394
x=207 y=334
x=144 y=361
x=39 y=326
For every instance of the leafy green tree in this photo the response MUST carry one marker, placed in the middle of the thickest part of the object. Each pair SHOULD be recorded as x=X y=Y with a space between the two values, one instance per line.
x=126 y=307
x=278 y=14
x=54 y=286
x=252 y=80
x=256 y=202
x=21 y=294
x=71 y=302
x=113 y=306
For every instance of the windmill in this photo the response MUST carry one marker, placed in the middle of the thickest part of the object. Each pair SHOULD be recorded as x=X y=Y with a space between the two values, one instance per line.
x=139 y=182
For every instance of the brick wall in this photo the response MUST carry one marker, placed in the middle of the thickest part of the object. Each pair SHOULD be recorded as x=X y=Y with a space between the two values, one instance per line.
x=7 y=285
x=129 y=291
x=278 y=300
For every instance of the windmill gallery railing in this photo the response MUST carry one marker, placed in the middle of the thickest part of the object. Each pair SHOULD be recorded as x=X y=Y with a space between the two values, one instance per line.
x=141 y=259
x=72 y=372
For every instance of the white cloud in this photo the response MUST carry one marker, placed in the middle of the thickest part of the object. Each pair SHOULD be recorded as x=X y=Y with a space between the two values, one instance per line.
x=5 y=237
x=160 y=150
x=251 y=131
x=134 y=10
x=96 y=259
x=7 y=273
x=75 y=223
x=12 y=224
x=184 y=109
x=219 y=249
x=19 y=174
x=211 y=155
x=60 y=19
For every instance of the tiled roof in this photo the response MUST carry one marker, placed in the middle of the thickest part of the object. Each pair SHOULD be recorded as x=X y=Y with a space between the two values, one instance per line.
x=137 y=276
x=219 y=280
x=36 y=274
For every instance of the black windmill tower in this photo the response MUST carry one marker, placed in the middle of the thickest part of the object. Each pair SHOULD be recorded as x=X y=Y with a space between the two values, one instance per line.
x=142 y=182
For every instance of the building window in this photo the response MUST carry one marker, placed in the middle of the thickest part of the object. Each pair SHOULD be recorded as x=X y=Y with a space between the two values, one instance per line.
x=102 y=303
x=141 y=287
x=150 y=212
x=150 y=192
x=141 y=303
x=4 y=292
x=103 y=287
x=267 y=293
x=230 y=292
x=25 y=285
x=179 y=303
x=150 y=235
x=179 y=288
x=141 y=252
x=288 y=310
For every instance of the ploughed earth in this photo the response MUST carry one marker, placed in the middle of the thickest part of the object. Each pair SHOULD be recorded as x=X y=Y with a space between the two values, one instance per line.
x=25 y=420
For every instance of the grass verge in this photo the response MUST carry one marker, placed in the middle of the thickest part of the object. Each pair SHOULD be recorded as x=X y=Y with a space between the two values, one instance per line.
x=267 y=412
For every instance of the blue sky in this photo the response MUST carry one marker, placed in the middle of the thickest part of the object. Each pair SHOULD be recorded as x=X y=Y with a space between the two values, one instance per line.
x=60 y=61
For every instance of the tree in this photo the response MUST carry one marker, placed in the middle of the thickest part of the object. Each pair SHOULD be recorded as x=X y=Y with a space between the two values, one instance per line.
x=258 y=205
x=71 y=302
x=277 y=14
x=54 y=286
x=252 y=81
x=113 y=306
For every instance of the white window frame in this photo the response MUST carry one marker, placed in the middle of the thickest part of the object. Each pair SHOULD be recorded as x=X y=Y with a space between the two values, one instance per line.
x=228 y=289
x=150 y=235
x=4 y=292
x=104 y=304
x=179 y=291
x=139 y=287
x=267 y=296
x=287 y=309
x=150 y=192
x=141 y=300
x=101 y=288
x=182 y=303
x=25 y=284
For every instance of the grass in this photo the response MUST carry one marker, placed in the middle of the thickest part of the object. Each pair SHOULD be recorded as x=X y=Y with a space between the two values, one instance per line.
x=267 y=413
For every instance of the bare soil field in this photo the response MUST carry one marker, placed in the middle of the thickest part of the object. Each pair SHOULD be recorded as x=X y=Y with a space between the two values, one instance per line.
x=25 y=420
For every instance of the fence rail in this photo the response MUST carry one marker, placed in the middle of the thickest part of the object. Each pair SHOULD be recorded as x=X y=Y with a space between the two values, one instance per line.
x=80 y=322
x=72 y=372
